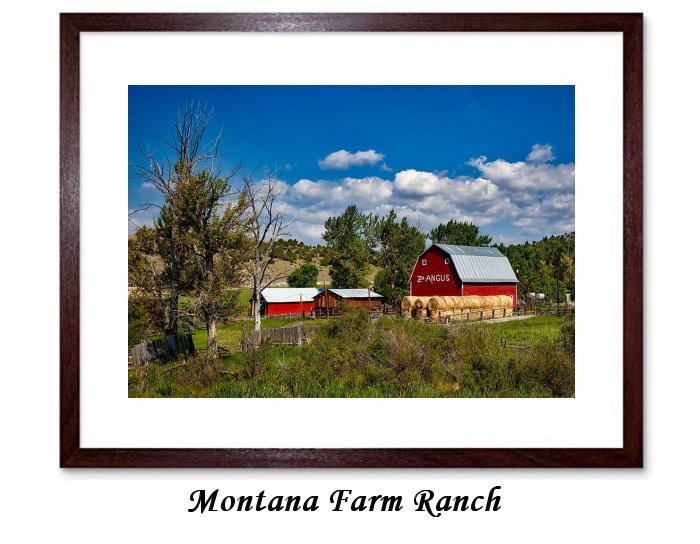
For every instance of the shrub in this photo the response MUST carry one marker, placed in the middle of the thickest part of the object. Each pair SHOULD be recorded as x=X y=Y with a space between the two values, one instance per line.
x=568 y=335
x=165 y=386
x=305 y=275
x=390 y=357
x=548 y=366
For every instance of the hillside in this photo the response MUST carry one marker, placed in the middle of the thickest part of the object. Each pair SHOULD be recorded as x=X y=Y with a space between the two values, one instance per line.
x=540 y=263
x=285 y=267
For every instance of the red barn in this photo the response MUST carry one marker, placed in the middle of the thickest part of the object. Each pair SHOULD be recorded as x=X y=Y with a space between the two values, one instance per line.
x=446 y=270
x=287 y=300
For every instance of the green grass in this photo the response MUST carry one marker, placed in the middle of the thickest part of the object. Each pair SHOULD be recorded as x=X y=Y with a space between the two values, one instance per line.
x=351 y=357
x=229 y=334
x=529 y=331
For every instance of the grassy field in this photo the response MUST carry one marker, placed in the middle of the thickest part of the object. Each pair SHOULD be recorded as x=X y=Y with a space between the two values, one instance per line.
x=529 y=331
x=229 y=334
x=351 y=357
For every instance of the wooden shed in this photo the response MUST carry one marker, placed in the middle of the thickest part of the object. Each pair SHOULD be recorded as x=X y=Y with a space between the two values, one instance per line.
x=327 y=301
x=283 y=301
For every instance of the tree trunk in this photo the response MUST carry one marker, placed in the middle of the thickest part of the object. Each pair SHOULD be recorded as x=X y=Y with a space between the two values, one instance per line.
x=256 y=308
x=172 y=314
x=174 y=298
x=212 y=346
x=210 y=310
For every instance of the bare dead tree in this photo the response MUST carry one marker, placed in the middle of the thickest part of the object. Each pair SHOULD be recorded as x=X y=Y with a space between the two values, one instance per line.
x=191 y=152
x=266 y=224
x=198 y=227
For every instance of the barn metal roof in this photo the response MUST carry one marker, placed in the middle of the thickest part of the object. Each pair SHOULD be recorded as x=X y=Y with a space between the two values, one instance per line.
x=289 y=294
x=480 y=264
x=354 y=293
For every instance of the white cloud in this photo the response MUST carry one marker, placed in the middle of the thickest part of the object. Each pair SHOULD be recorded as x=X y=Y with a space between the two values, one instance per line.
x=369 y=191
x=147 y=186
x=541 y=153
x=517 y=200
x=526 y=176
x=385 y=167
x=413 y=182
x=342 y=159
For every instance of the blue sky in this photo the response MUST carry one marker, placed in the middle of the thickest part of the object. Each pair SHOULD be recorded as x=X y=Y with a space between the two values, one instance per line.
x=500 y=156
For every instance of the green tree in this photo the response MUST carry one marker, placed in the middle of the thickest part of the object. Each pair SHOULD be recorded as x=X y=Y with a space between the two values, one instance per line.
x=543 y=264
x=149 y=299
x=213 y=235
x=198 y=236
x=305 y=275
x=399 y=245
x=460 y=233
x=382 y=283
x=349 y=239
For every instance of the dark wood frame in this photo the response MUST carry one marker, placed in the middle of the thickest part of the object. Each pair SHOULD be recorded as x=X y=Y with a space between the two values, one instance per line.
x=72 y=455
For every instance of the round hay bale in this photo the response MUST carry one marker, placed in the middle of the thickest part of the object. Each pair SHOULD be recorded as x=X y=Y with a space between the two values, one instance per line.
x=471 y=302
x=442 y=303
x=433 y=304
x=456 y=305
x=407 y=303
x=421 y=303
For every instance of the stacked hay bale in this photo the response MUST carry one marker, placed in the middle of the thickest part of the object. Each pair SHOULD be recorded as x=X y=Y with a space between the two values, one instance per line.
x=407 y=306
x=436 y=305
x=411 y=306
x=506 y=303
x=487 y=305
x=460 y=308
x=471 y=307
x=455 y=305
x=421 y=307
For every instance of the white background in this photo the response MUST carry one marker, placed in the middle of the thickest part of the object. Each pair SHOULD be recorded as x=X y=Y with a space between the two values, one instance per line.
x=591 y=62
x=41 y=502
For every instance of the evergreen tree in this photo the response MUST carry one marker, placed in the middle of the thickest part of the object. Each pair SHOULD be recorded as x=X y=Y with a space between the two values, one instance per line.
x=305 y=275
x=399 y=245
x=542 y=264
x=349 y=240
x=198 y=236
x=460 y=233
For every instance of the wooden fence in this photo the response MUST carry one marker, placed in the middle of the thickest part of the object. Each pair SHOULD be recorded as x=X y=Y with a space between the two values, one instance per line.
x=488 y=314
x=162 y=350
x=554 y=309
x=292 y=335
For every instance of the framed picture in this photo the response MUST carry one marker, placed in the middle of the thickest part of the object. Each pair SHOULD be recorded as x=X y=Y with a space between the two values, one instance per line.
x=352 y=240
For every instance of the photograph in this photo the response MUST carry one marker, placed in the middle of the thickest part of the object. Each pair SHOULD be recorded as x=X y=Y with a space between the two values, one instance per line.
x=351 y=241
